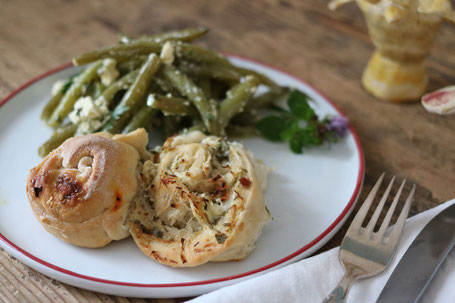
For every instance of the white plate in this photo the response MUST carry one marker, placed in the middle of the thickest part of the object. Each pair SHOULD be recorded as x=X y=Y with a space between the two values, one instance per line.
x=310 y=196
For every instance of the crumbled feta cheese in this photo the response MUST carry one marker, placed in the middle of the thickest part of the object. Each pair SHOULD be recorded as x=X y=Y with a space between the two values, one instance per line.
x=84 y=127
x=89 y=114
x=247 y=78
x=167 y=53
x=108 y=72
x=57 y=86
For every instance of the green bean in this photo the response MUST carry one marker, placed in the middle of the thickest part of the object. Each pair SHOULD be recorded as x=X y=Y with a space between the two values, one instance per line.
x=119 y=51
x=206 y=87
x=219 y=72
x=218 y=89
x=57 y=138
x=131 y=64
x=172 y=106
x=195 y=95
x=142 y=118
x=164 y=85
x=93 y=89
x=197 y=125
x=224 y=71
x=51 y=105
x=132 y=98
x=261 y=77
x=197 y=53
x=235 y=100
x=122 y=83
x=184 y=35
x=55 y=99
x=72 y=94
x=99 y=89
x=267 y=98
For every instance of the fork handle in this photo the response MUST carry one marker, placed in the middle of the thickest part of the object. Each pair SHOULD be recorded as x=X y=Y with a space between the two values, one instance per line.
x=338 y=295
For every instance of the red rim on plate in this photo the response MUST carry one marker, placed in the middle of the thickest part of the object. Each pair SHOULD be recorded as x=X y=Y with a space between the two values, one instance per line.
x=342 y=216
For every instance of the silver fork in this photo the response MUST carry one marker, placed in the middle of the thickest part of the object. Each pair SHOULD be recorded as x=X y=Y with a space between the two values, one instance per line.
x=364 y=253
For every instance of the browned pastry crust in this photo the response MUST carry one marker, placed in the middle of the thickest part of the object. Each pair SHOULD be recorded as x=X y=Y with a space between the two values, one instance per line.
x=81 y=191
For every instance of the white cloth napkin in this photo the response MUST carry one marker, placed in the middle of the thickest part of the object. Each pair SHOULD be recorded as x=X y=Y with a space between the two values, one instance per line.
x=311 y=279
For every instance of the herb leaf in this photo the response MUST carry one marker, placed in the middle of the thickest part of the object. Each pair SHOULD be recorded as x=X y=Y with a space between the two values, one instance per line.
x=220 y=238
x=292 y=126
x=295 y=143
x=69 y=82
x=108 y=125
x=310 y=135
x=300 y=126
x=271 y=127
x=299 y=106
x=118 y=111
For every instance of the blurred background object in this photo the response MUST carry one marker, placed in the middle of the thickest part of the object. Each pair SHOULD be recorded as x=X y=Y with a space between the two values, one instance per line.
x=402 y=32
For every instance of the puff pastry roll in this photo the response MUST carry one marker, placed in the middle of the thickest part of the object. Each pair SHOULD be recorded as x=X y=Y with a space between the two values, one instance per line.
x=81 y=191
x=201 y=202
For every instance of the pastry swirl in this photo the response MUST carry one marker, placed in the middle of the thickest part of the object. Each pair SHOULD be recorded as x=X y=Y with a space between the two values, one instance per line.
x=82 y=190
x=201 y=202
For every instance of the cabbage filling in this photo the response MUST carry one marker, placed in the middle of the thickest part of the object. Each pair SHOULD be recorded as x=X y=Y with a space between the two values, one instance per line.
x=189 y=207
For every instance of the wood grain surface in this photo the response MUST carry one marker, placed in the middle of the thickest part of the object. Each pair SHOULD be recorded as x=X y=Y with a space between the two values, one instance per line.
x=327 y=49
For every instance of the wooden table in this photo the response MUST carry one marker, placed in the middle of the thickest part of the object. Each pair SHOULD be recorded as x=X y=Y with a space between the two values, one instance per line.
x=327 y=49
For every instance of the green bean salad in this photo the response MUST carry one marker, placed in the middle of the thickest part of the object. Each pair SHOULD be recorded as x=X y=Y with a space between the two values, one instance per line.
x=160 y=81
x=165 y=82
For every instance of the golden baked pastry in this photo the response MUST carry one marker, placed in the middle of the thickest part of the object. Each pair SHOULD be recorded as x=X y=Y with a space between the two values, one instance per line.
x=82 y=190
x=201 y=201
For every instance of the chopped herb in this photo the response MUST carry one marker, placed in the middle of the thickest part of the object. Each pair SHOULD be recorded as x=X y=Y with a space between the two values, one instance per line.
x=157 y=233
x=222 y=152
x=300 y=126
x=271 y=127
x=298 y=104
x=69 y=82
x=108 y=125
x=215 y=221
x=220 y=238
x=154 y=231
x=118 y=111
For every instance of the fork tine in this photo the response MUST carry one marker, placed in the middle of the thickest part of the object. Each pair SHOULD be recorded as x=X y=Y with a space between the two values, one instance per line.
x=360 y=216
x=398 y=228
x=390 y=212
x=377 y=212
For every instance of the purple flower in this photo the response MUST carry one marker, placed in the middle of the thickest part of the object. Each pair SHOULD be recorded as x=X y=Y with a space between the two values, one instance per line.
x=339 y=125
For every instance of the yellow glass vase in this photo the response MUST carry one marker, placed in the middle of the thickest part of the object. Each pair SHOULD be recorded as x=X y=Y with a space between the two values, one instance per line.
x=402 y=32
